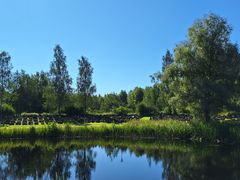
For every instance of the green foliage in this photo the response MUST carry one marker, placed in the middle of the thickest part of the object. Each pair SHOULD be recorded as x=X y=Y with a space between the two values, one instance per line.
x=121 y=110
x=32 y=132
x=166 y=129
x=123 y=97
x=72 y=110
x=84 y=80
x=110 y=102
x=144 y=110
x=135 y=97
x=5 y=77
x=204 y=77
x=151 y=97
x=60 y=78
x=167 y=60
x=7 y=109
x=5 y=71
x=28 y=91
x=50 y=103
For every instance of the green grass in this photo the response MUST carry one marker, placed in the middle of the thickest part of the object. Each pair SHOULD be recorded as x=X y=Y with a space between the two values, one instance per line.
x=145 y=119
x=137 y=129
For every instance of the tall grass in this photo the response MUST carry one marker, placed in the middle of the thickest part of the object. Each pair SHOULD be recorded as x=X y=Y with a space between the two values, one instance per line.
x=169 y=129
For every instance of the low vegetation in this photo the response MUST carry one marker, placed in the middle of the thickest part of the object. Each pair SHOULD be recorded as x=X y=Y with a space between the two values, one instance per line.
x=223 y=132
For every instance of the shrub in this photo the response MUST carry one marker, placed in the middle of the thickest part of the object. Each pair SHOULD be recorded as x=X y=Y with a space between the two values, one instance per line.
x=7 y=109
x=144 y=110
x=53 y=130
x=121 y=110
x=72 y=110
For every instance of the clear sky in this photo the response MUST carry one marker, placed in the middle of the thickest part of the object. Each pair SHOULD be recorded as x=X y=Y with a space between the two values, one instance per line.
x=123 y=39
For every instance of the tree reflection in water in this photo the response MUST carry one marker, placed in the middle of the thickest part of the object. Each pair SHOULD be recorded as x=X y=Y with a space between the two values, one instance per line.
x=85 y=163
x=60 y=165
x=38 y=161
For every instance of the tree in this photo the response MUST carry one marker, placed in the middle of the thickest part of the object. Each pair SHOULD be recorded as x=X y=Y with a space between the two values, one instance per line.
x=59 y=76
x=5 y=75
x=167 y=60
x=207 y=67
x=135 y=97
x=123 y=97
x=151 y=95
x=84 y=80
x=110 y=102
x=27 y=91
x=50 y=100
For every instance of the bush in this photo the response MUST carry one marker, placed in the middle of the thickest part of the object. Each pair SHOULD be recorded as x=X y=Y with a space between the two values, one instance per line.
x=121 y=110
x=144 y=110
x=72 y=110
x=7 y=109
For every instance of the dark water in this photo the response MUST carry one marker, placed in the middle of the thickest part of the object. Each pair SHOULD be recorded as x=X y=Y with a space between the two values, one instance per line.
x=76 y=159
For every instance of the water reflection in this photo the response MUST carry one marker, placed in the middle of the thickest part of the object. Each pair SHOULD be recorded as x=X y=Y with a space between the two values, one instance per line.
x=85 y=163
x=87 y=160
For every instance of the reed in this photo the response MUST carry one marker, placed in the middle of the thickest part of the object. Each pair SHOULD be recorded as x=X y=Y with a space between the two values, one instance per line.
x=168 y=129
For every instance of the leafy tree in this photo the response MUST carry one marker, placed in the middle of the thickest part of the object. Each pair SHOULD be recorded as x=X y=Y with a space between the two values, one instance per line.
x=207 y=67
x=84 y=80
x=110 y=101
x=50 y=100
x=27 y=93
x=60 y=78
x=94 y=103
x=144 y=110
x=151 y=96
x=135 y=97
x=167 y=60
x=123 y=97
x=169 y=88
x=5 y=75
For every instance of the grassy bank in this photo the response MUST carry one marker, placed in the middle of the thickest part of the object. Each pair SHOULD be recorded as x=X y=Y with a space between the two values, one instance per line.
x=144 y=129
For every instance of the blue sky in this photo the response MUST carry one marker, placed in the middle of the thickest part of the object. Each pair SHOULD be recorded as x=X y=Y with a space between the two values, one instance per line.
x=123 y=39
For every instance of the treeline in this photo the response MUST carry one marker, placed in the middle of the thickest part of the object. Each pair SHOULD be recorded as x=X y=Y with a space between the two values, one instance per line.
x=201 y=77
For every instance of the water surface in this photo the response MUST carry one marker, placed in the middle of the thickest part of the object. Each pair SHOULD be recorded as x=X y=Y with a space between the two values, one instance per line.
x=95 y=159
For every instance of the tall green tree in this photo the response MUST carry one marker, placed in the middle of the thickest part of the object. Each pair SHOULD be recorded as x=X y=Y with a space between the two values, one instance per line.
x=84 y=80
x=27 y=91
x=167 y=60
x=123 y=97
x=151 y=96
x=110 y=102
x=60 y=78
x=5 y=75
x=135 y=97
x=207 y=67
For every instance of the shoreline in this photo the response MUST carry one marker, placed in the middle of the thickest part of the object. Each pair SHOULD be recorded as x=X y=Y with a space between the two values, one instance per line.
x=170 y=130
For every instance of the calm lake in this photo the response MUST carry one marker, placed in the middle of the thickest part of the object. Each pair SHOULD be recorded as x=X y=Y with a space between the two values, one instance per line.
x=109 y=159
